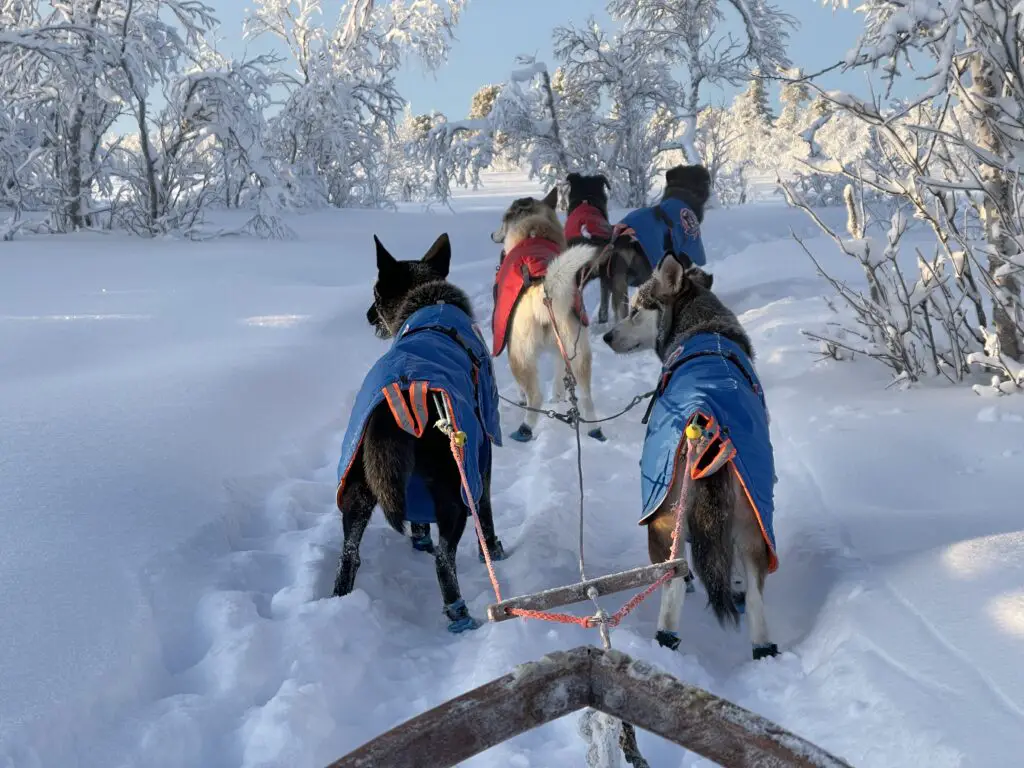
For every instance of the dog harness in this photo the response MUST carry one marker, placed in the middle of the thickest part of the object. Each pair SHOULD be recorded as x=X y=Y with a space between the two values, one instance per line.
x=520 y=268
x=586 y=222
x=711 y=380
x=671 y=226
x=440 y=350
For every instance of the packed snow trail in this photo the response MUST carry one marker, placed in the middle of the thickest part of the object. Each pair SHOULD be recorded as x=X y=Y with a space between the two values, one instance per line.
x=171 y=570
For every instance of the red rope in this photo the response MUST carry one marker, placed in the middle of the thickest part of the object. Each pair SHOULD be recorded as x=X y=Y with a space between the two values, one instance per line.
x=565 y=618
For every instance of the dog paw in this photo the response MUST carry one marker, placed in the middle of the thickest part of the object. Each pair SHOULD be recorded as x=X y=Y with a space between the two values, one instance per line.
x=690 y=587
x=740 y=600
x=497 y=551
x=459 y=620
x=522 y=435
x=423 y=544
x=667 y=639
x=598 y=435
x=765 y=651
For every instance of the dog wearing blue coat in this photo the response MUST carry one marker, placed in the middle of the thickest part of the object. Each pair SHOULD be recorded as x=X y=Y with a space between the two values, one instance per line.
x=708 y=380
x=393 y=454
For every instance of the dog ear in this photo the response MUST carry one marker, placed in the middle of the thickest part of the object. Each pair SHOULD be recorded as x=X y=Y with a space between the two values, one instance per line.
x=572 y=177
x=700 y=277
x=670 y=280
x=385 y=261
x=439 y=257
x=551 y=199
x=604 y=180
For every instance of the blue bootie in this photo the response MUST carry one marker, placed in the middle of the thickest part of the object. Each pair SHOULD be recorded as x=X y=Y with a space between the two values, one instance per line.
x=522 y=435
x=423 y=544
x=690 y=588
x=598 y=435
x=459 y=620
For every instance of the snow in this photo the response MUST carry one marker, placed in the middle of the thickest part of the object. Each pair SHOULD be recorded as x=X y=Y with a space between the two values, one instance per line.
x=171 y=416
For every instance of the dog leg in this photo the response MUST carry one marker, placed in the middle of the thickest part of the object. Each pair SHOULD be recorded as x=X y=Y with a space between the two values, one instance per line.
x=673 y=595
x=494 y=545
x=606 y=292
x=522 y=361
x=582 y=370
x=753 y=552
x=759 y=637
x=451 y=525
x=356 y=508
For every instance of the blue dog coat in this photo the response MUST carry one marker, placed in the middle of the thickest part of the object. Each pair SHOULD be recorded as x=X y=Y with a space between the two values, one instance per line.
x=439 y=349
x=711 y=376
x=651 y=225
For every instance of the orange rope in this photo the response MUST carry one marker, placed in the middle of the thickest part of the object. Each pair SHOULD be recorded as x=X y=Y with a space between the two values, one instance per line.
x=565 y=618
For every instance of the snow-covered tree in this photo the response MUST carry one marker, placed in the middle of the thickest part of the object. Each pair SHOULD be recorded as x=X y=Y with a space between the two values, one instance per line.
x=641 y=96
x=343 y=104
x=952 y=168
x=693 y=33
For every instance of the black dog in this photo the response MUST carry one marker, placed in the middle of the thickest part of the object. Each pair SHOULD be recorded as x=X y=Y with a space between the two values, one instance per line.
x=588 y=222
x=392 y=448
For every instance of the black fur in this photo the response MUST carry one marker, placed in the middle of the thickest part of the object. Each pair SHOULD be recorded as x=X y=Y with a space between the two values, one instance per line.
x=588 y=189
x=691 y=184
x=625 y=267
x=389 y=455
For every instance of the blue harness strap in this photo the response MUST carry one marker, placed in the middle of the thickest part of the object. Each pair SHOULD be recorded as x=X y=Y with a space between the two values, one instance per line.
x=710 y=378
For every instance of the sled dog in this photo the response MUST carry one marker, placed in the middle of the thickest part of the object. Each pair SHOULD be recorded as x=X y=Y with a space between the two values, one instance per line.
x=587 y=222
x=536 y=263
x=392 y=454
x=707 y=379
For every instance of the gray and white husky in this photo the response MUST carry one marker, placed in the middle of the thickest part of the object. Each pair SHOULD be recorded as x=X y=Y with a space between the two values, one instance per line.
x=720 y=522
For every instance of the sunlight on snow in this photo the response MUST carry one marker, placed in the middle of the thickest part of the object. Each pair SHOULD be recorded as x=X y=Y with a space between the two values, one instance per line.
x=276 y=321
x=1008 y=612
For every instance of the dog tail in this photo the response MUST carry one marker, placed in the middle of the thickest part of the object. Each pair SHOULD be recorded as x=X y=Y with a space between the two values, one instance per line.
x=388 y=461
x=710 y=516
x=563 y=279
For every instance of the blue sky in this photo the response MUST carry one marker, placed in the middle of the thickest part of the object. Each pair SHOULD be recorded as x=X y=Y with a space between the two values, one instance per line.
x=493 y=32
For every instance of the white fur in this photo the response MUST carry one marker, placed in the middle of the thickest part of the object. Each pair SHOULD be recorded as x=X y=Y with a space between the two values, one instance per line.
x=637 y=331
x=532 y=333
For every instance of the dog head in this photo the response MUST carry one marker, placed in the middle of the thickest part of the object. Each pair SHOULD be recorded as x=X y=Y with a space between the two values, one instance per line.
x=687 y=307
x=529 y=217
x=640 y=328
x=588 y=189
x=691 y=184
x=396 y=280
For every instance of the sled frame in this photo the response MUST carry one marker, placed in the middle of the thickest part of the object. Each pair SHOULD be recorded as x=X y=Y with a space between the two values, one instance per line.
x=577 y=593
x=608 y=681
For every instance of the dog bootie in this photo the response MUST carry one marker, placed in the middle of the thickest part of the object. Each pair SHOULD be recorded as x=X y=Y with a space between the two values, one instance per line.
x=690 y=588
x=497 y=551
x=740 y=601
x=765 y=650
x=459 y=620
x=598 y=435
x=667 y=639
x=522 y=435
x=421 y=541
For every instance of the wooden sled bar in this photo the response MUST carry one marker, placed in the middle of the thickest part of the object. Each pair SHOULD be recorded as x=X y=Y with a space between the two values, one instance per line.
x=577 y=593
x=611 y=682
